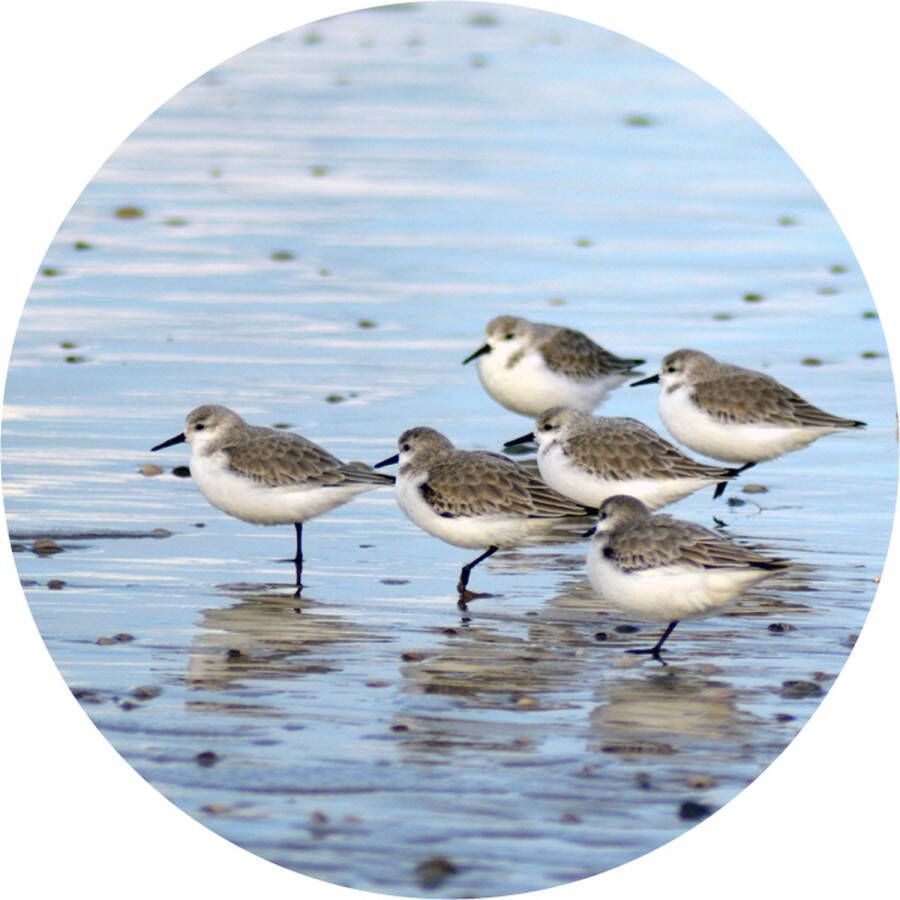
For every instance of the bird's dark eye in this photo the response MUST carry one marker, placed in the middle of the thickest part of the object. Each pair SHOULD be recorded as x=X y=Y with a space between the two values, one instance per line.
x=405 y=448
x=601 y=517
x=671 y=369
x=508 y=337
x=547 y=428
x=199 y=427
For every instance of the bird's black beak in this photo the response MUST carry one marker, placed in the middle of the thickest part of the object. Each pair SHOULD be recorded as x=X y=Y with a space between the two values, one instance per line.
x=178 y=439
x=390 y=461
x=485 y=348
x=590 y=532
x=519 y=440
x=651 y=379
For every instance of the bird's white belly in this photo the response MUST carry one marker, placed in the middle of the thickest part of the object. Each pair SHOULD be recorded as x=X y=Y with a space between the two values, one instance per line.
x=530 y=387
x=472 y=531
x=730 y=441
x=563 y=475
x=262 y=505
x=667 y=594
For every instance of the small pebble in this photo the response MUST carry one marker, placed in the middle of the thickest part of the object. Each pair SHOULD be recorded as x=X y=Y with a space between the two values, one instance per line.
x=399 y=727
x=56 y=584
x=692 y=811
x=601 y=636
x=157 y=533
x=784 y=717
x=795 y=688
x=780 y=627
x=736 y=501
x=215 y=809
x=627 y=629
x=129 y=212
x=317 y=817
x=643 y=781
x=395 y=581
x=569 y=818
x=85 y=695
x=105 y=641
x=233 y=654
x=412 y=656
x=45 y=547
x=483 y=19
x=150 y=469
x=127 y=705
x=526 y=702
x=146 y=692
x=450 y=632
x=335 y=398
x=123 y=637
x=181 y=472
x=433 y=872
x=206 y=758
x=755 y=489
x=377 y=684
x=701 y=782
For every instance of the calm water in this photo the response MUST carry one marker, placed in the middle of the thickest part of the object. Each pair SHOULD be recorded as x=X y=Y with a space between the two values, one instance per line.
x=328 y=222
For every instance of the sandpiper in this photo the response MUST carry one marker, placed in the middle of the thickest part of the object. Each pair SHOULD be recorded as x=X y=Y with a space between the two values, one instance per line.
x=529 y=366
x=266 y=476
x=663 y=569
x=735 y=414
x=473 y=499
x=590 y=458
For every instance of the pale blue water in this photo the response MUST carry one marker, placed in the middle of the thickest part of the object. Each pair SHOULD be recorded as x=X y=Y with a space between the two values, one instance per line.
x=426 y=173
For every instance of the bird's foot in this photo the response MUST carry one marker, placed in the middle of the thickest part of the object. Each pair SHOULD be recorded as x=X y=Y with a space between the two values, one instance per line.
x=653 y=652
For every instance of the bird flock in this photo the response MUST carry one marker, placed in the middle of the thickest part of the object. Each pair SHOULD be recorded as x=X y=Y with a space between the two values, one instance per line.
x=609 y=472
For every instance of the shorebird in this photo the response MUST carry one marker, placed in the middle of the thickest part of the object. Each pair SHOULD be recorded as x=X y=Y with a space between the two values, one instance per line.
x=473 y=499
x=663 y=569
x=529 y=366
x=590 y=458
x=266 y=476
x=735 y=414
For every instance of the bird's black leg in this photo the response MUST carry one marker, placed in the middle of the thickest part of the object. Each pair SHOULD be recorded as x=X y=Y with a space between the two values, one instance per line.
x=298 y=557
x=464 y=573
x=654 y=650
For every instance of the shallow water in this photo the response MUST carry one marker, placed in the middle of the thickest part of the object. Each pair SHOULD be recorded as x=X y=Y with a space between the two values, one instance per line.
x=425 y=173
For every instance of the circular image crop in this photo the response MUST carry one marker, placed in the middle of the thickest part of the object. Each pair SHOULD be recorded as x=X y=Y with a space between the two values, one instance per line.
x=449 y=450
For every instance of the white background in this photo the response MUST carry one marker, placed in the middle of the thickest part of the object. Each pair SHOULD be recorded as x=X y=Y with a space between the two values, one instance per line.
x=78 y=77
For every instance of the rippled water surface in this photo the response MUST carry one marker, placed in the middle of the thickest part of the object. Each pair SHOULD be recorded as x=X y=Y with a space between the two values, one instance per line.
x=321 y=228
